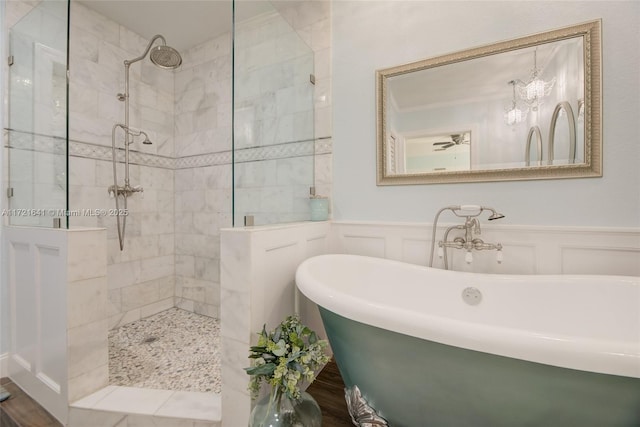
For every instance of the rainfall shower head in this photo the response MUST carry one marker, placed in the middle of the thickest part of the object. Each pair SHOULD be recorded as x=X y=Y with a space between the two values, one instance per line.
x=162 y=55
x=165 y=57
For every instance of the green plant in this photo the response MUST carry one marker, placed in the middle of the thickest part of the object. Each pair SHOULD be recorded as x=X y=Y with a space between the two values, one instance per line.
x=285 y=357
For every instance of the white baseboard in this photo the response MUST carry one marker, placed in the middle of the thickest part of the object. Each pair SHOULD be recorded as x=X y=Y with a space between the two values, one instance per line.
x=4 y=362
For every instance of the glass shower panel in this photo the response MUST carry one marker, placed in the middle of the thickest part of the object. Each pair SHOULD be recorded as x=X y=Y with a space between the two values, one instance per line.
x=273 y=108
x=36 y=133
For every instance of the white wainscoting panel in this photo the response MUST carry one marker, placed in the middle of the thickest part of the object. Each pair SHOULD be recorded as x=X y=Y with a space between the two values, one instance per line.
x=526 y=249
x=37 y=261
x=58 y=313
x=600 y=260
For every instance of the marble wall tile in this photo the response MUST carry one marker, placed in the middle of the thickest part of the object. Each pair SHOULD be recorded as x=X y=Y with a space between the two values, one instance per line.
x=185 y=304
x=16 y=10
x=123 y=274
x=86 y=255
x=82 y=171
x=323 y=122
x=157 y=307
x=82 y=99
x=94 y=23
x=87 y=347
x=131 y=41
x=322 y=93
x=322 y=63
x=184 y=222
x=235 y=304
x=166 y=244
x=236 y=402
x=217 y=200
x=294 y=171
x=190 y=201
x=87 y=383
x=155 y=221
x=86 y=301
x=256 y=174
x=114 y=303
x=124 y=317
x=139 y=295
x=323 y=176
x=185 y=265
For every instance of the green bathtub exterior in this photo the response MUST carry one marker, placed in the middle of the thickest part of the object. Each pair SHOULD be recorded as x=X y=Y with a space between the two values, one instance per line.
x=417 y=383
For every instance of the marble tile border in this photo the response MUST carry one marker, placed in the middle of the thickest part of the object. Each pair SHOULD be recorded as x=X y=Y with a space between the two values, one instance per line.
x=56 y=145
x=254 y=154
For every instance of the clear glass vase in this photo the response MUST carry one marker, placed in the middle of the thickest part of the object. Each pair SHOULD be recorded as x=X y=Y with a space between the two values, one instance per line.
x=278 y=410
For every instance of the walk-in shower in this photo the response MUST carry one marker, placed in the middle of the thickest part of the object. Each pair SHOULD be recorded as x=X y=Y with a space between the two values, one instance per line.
x=164 y=57
x=233 y=136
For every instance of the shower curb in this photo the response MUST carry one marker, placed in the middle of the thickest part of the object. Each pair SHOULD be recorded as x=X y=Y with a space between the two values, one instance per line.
x=112 y=405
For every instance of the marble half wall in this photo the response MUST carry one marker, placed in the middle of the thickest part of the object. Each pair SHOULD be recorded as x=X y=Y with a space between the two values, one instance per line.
x=257 y=276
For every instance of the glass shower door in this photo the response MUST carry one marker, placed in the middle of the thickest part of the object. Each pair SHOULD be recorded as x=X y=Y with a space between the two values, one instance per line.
x=273 y=118
x=36 y=134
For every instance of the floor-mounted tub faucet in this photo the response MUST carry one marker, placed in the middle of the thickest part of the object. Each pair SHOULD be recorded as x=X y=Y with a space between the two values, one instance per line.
x=471 y=228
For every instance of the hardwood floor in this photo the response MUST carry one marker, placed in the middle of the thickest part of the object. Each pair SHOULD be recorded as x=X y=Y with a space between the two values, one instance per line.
x=22 y=411
x=328 y=390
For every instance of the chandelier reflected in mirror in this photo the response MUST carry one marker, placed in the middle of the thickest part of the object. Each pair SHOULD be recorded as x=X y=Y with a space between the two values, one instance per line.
x=535 y=88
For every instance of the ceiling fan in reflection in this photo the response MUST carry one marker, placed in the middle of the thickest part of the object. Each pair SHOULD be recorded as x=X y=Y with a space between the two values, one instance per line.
x=456 y=139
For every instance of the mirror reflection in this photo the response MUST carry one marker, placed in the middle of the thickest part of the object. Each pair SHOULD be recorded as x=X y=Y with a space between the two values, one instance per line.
x=419 y=153
x=471 y=114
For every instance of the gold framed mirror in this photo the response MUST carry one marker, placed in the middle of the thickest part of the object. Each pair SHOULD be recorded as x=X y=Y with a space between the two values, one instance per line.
x=466 y=116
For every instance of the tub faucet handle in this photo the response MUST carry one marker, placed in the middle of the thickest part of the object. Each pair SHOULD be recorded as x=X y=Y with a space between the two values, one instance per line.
x=468 y=257
x=440 y=251
x=499 y=256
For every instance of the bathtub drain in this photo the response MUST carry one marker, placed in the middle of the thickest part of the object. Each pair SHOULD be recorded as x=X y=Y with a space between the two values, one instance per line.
x=472 y=296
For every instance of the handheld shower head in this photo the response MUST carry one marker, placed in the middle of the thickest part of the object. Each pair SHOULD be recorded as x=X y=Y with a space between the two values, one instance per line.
x=146 y=140
x=165 y=57
x=495 y=215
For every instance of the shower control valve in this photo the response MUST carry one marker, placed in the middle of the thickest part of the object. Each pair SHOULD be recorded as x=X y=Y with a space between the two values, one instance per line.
x=125 y=190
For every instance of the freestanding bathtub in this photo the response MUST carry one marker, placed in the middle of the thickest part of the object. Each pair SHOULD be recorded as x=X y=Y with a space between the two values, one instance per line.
x=429 y=347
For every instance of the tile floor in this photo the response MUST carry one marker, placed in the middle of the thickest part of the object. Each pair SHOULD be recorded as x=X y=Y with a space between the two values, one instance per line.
x=172 y=350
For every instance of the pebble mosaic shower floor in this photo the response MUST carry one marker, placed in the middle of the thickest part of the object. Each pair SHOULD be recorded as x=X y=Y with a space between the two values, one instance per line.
x=172 y=350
